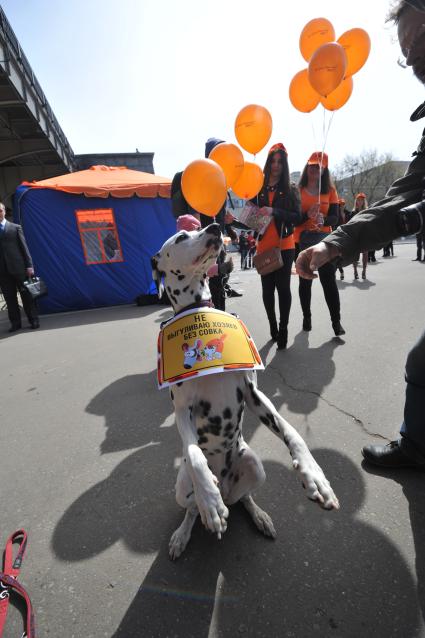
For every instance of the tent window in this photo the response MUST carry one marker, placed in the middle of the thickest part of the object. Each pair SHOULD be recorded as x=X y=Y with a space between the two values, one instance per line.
x=99 y=236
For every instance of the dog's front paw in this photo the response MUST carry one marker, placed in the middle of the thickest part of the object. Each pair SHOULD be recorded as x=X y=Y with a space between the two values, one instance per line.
x=212 y=510
x=316 y=484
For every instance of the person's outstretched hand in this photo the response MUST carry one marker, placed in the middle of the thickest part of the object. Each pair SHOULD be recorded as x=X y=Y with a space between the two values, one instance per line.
x=312 y=258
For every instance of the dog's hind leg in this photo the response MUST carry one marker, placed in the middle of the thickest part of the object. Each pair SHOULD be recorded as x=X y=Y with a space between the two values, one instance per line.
x=247 y=473
x=186 y=498
x=261 y=519
x=181 y=536
x=314 y=481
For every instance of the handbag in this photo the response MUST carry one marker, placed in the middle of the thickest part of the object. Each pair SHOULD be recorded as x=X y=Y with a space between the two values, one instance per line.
x=35 y=286
x=309 y=238
x=270 y=260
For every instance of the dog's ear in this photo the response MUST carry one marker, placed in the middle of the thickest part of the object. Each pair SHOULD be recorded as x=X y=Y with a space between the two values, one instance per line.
x=157 y=274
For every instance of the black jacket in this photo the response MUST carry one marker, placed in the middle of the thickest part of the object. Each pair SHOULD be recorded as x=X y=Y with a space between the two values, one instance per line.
x=286 y=208
x=378 y=225
x=14 y=253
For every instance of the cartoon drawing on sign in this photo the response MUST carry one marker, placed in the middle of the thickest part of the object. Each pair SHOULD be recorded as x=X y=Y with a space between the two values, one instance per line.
x=214 y=348
x=193 y=354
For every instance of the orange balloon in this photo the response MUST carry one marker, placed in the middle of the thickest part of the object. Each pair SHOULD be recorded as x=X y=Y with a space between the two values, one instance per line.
x=204 y=186
x=356 y=43
x=339 y=97
x=250 y=181
x=302 y=95
x=327 y=68
x=230 y=158
x=253 y=127
x=315 y=33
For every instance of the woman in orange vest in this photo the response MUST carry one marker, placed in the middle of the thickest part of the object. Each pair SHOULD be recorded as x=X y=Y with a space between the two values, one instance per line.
x=360 y=203
x=279 y=199
x=319 y=205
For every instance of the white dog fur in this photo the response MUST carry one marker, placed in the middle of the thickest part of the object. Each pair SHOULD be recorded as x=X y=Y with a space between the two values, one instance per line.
x=218 y=467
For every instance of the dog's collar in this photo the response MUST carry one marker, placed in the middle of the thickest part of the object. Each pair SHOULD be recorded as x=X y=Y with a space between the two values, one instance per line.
x=206 y=303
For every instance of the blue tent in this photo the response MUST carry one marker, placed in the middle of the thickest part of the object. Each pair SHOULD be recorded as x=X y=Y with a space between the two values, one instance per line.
x=95 y=250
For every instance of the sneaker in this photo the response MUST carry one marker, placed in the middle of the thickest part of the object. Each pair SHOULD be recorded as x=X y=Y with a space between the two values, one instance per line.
x=390 y=455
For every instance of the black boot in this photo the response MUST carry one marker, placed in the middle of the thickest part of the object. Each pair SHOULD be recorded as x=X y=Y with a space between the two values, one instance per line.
x=307 y=324
x=282 y=338
x=338 y=329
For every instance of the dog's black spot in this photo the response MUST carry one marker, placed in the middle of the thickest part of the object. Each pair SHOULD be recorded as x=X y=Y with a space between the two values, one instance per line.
x=254 y=395
x=176 y=291
x=174 y=272
x=239 y=395
x=172 y=395
x=236 y=479
x=228 y=428
x=264 y=420
x=272 y=421
x=200 y=431
x=202 y=439
x=186 y=288
x=178 y=385
x=231 y=475
x=172 y=297
x=168 y=254
x=204 y=275
x=190 y=493
x=227 y=413
x=191 y=292
x=215 y=420
x=206 y=407
x=202 y=282
x=285 y=440
x=214 y=429
x=228 y=459
x=240 y=413
x=181 y=237
x=242 y=452
x=224 y=472
x=168 y=288
x=217 y=451
x=181 y=277
x=198 y=297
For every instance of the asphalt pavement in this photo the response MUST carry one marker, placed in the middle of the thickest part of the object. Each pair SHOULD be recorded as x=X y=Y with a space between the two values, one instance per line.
x=89 y=456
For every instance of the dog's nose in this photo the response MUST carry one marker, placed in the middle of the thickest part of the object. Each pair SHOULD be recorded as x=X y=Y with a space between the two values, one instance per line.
x=213 y=229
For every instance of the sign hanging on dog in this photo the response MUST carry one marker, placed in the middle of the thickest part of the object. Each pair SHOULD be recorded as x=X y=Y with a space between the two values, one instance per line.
x=204 y=341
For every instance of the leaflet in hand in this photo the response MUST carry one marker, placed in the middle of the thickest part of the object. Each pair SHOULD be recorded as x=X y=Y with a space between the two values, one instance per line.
x=253 y=218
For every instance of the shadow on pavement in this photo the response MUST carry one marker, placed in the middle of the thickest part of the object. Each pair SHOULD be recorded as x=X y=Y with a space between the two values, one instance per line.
x=327 y=574
x=297 y=376
x=146 y=408
x=413 y=485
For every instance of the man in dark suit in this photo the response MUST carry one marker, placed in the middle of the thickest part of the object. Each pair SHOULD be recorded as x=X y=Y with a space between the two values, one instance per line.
x=15 y=267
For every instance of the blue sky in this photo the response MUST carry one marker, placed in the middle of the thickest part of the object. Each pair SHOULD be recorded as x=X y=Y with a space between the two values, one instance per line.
x=163 y=76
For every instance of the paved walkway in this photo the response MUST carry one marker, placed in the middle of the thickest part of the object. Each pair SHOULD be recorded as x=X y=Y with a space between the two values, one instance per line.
x=88 y=463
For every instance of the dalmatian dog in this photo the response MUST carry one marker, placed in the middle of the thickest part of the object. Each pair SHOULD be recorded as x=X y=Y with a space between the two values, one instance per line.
x=218 y=467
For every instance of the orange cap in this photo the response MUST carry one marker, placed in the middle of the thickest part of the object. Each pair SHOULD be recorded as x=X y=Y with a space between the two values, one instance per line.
x=277 y=147
x=360 y=196
x=318 y=158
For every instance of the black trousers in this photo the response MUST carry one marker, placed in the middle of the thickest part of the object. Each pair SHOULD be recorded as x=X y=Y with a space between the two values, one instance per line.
x=330 y=289
x=10 y=286
x=279 y=280
x=218 y=296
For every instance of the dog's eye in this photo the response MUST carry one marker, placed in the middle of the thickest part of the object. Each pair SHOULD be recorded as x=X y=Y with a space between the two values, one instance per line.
x=181 y=237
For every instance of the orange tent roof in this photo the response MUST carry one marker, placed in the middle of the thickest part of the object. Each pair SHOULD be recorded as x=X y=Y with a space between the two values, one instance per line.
x=102 y=181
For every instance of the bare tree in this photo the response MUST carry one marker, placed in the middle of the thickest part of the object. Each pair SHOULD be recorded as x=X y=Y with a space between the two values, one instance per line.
x=370 y=173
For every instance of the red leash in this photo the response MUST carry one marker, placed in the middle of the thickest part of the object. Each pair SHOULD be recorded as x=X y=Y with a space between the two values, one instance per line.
x=9 y=583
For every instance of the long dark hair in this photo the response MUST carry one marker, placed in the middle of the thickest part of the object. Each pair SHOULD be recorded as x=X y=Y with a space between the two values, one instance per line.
x=326 y=181
x=284 y=180
x=400 y=7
